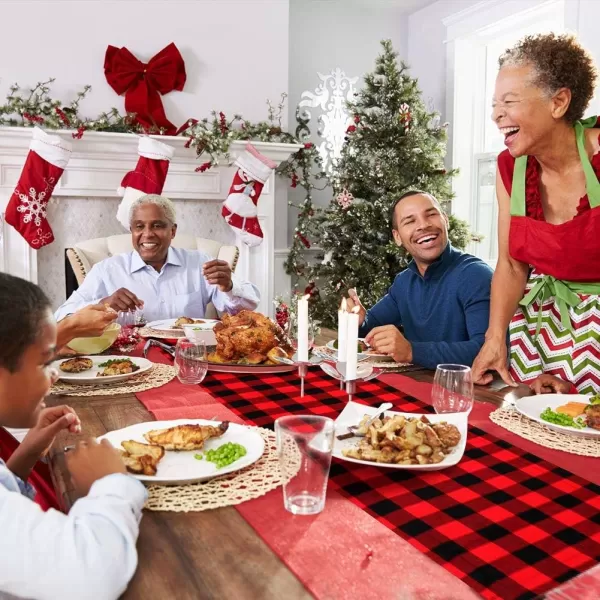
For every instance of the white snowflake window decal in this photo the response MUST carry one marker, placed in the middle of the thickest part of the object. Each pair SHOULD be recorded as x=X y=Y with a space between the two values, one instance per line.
x=330 y=98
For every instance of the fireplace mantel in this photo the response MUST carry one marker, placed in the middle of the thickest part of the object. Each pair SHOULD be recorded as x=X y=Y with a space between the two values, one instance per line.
x=97 y=166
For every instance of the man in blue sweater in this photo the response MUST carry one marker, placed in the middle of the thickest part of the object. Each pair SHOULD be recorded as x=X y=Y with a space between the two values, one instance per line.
x=441 y=301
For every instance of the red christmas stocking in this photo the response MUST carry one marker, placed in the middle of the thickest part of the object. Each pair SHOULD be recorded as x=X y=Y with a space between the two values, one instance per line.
x=26 y=211
x=148 y=177
x=239 y=210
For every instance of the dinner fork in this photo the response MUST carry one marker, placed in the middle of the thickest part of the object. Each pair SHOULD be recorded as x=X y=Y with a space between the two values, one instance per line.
x=382 y=408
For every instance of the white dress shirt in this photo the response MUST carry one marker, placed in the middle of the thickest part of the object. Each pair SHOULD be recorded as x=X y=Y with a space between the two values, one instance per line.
x=178 y=290
x=89 y=553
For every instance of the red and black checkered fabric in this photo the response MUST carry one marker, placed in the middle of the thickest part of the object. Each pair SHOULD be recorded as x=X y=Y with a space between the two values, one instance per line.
x=506 y=522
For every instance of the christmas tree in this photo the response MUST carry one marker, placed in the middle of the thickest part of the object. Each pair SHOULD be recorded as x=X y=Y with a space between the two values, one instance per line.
x=394 y=145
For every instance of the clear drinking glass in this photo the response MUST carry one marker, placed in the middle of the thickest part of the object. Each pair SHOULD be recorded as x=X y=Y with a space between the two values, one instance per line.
x=304 y=446
x=191 y=361
x=291 y=331
x=452 y=389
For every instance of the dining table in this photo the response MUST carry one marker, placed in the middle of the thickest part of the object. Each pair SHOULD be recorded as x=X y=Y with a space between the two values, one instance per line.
x=357 y=545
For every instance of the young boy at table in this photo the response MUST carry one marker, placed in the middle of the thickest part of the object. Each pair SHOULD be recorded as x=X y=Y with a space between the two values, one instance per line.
x=89 y=553
x=87 y=322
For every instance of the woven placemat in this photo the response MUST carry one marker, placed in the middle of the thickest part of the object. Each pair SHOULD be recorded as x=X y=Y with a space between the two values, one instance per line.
x=156 y=377
x=535 y=432
x=146 y=332
x=388 y=365
x=249 y=483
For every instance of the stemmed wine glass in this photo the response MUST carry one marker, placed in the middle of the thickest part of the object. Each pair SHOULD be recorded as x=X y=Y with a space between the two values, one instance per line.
x=291 y=331
x=126 y=319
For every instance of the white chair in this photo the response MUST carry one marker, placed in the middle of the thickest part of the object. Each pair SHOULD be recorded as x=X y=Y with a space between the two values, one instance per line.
x=84 y=255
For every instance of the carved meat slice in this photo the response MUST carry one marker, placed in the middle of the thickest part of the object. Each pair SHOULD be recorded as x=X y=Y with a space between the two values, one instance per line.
x=185 y=437
x=76 y=365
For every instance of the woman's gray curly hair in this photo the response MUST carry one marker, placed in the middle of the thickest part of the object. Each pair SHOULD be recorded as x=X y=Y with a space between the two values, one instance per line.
x=559 y=61
x=162 y=201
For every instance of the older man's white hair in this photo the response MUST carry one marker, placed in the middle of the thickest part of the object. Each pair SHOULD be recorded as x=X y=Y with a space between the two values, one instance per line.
x=162 y=201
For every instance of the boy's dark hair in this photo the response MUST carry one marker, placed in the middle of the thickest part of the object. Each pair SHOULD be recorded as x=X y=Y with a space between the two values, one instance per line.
x=23 y=308
x=406 y=195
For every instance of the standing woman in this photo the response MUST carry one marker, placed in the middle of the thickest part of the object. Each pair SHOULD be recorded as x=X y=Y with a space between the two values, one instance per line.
x=547 y=280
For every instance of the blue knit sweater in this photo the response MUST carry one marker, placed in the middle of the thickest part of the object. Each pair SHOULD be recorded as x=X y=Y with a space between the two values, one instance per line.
x=444 y=314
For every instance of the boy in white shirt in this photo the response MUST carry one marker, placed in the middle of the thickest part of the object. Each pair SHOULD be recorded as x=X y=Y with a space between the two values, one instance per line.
x=89 y=553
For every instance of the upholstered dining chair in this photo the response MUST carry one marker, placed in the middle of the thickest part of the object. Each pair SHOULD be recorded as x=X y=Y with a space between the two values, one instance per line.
x=84 y=255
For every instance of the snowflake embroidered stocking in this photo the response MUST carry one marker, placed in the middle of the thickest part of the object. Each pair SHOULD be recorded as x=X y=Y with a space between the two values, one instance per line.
x=148 y=177
x=239 y=210
x=26 y=211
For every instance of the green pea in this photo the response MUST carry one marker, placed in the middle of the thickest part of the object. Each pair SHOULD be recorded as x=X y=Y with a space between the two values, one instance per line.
x=225 y=454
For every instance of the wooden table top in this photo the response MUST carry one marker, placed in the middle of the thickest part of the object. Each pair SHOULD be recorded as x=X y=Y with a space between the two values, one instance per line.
x=210 y=554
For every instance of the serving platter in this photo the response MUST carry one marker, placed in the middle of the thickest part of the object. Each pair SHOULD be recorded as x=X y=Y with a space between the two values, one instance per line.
x=354 y=412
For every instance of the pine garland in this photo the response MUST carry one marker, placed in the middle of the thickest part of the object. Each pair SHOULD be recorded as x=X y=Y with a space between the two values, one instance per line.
x=211 y=138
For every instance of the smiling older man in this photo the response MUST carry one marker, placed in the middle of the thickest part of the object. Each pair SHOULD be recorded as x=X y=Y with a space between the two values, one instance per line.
x=163 y=281
x=441 y=301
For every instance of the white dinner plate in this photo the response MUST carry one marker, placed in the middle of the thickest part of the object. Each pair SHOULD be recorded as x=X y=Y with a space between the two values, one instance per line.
x=91 y=375
x=370 y=355
x=533 y=406
x=354 y=412
x=181 y=467
x=168 y=325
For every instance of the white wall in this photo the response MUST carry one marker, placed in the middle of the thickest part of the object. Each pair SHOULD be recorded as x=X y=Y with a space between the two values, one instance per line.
x=336 y=33
x=235 y=51
x=586 y=16
x=426 y=49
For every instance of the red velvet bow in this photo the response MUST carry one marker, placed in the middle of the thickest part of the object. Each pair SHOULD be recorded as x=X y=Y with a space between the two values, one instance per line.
x=143 y=84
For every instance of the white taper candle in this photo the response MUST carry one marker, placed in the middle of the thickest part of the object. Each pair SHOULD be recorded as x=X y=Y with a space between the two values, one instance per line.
x=302 y=333
x=352 y=341
x=342 y=332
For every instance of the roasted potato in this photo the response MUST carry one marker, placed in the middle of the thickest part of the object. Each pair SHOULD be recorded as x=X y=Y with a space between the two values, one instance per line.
x=405 y=441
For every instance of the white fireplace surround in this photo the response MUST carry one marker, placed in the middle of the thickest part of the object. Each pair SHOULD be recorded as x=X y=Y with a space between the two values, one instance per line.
x=97 y=166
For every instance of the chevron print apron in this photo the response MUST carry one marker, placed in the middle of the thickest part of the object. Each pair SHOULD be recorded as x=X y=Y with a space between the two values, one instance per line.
x=556 y=328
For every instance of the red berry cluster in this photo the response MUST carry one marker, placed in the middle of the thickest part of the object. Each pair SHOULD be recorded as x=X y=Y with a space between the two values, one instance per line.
x=33 y=118
x=223 y=123
x=282 y=315
x=79 y=133
x=62 y=116
x=126 y=340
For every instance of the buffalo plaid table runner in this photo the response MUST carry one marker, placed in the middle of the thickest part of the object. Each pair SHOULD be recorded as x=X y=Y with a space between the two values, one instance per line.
x=509 y=524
